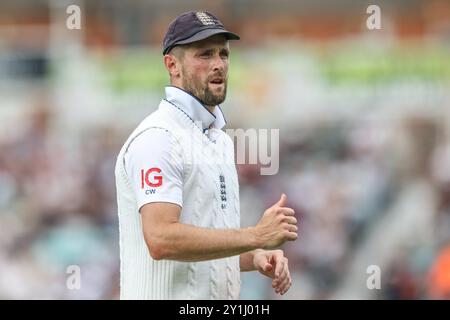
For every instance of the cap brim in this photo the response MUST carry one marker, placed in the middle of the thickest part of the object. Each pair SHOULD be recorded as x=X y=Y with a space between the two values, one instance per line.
x=209 y=33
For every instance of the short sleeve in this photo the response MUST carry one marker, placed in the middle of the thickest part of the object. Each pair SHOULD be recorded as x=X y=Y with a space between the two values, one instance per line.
x=155 y=168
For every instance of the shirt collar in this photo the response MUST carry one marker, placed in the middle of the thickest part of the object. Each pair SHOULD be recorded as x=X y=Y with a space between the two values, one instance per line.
x=195 y=109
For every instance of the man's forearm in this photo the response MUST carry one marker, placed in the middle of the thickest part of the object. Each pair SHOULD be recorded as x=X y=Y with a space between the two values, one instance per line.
x=184 y=242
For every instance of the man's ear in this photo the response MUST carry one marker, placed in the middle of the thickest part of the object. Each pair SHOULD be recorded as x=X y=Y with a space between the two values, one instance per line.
x=172 y=65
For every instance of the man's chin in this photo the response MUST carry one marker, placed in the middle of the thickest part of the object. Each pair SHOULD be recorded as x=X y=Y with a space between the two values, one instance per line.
x=214 y=101
x=217 y=95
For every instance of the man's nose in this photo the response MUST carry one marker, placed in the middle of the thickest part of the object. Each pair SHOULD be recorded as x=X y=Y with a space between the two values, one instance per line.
x=219 y=64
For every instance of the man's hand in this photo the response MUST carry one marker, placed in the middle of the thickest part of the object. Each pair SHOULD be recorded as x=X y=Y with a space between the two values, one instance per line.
x=274 y=264
x=277 y=225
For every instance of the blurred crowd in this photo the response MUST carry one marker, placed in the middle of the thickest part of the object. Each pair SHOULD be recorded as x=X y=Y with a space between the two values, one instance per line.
x=364 y=119
x=57 y=209
x=343 y=179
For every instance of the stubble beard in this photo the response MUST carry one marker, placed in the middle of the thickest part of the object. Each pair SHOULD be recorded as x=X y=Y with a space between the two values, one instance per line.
x=202 y=90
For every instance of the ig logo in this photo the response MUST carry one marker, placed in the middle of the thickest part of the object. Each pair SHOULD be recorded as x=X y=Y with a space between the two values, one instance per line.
x=149 y=179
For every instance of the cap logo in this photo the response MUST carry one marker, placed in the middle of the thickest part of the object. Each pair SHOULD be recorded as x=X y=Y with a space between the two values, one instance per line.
x=205 y=18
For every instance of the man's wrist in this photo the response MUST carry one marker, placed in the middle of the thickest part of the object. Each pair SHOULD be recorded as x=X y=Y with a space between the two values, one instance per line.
x=254 y=240
x=254 y=253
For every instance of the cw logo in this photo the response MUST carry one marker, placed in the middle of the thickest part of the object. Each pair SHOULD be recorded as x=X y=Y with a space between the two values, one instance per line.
x=151 y=180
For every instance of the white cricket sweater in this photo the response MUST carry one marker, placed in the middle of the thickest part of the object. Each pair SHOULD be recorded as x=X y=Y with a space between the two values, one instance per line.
x=210 y=199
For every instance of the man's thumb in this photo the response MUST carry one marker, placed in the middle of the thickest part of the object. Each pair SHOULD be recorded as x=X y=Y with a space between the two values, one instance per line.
x=282 y=201
x=267 y=267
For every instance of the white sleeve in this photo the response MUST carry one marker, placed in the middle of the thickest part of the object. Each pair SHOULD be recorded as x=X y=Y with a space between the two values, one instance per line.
x=154 y=168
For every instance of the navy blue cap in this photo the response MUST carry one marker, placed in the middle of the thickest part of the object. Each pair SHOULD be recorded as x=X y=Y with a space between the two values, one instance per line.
x=194 y=26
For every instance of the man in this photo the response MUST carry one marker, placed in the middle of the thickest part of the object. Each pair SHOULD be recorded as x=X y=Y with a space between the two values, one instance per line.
x=177 y=187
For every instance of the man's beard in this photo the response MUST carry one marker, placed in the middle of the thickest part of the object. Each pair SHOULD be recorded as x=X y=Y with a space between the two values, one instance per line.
x=203 y=92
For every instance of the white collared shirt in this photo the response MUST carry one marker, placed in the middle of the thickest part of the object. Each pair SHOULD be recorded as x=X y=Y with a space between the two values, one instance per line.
x=195 y=109
x=152 y=149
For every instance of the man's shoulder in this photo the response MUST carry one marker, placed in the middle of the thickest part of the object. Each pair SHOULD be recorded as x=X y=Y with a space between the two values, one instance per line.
x=148 y=136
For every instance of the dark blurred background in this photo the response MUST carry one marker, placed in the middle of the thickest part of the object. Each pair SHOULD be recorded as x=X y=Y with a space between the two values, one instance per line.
x=364 y=119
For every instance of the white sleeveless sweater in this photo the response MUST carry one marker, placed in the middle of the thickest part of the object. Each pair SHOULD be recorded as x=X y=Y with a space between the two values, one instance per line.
x=210 y=199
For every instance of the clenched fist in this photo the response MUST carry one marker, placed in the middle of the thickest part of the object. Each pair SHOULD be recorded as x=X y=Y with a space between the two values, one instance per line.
x=277 y=225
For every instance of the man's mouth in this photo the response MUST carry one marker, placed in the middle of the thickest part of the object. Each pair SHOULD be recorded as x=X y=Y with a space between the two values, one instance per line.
x=217 y=81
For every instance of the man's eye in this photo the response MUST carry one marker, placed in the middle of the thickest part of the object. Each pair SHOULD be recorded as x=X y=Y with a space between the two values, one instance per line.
x=205 y=54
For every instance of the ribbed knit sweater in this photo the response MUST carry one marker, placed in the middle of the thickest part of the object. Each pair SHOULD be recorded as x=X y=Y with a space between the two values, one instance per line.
x=210 y=199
